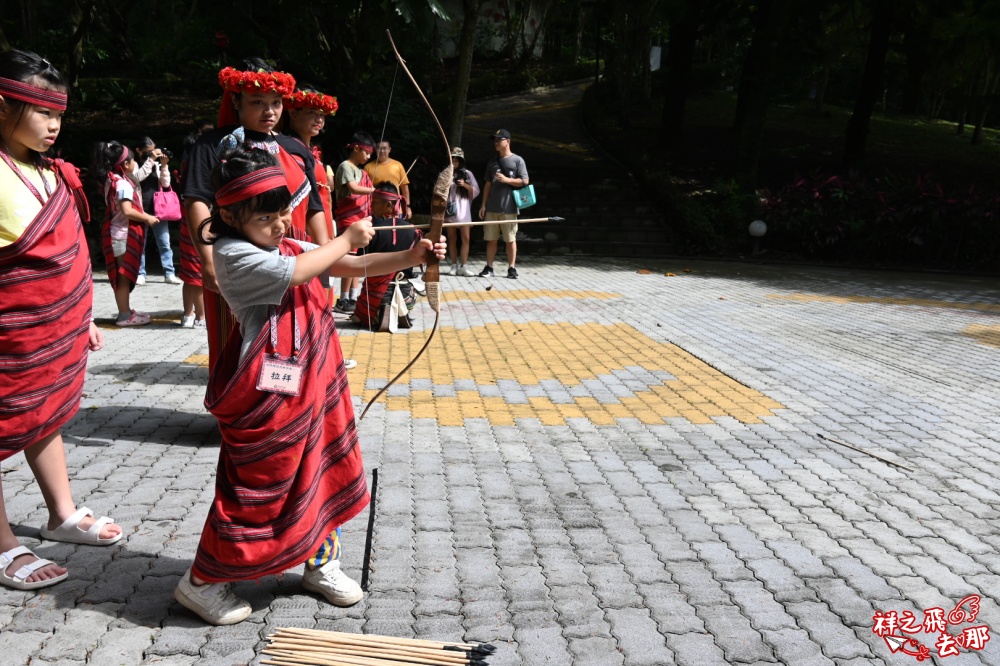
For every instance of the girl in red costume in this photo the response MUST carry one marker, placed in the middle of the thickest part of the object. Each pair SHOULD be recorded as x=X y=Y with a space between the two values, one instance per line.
x=250 y=111
x=46 y=329
x=290 y=470
x=123 y=235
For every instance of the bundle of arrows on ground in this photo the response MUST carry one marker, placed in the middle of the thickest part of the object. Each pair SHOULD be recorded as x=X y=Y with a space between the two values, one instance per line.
x=295 y=647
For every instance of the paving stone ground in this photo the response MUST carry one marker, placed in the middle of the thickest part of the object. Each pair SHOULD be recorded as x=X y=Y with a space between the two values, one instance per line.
x=592 y=465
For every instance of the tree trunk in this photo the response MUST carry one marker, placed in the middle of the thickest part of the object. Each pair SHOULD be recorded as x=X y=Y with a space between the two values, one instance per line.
x=83 y=19
x=581 y=25
x=756 y=81
x=914 y=42
x=467 y=42
x=870 y=89
x=989 y=89
x=680 y=59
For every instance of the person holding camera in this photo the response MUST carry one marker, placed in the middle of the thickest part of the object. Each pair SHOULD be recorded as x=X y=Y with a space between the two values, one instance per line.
x=464 y=189
x=152 y=173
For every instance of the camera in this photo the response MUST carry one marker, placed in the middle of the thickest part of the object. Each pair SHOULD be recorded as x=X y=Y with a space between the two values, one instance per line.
x=167 y=152
x=459 y=175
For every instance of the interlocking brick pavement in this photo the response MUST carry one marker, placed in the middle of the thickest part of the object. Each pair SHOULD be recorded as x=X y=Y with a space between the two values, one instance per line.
x=592 y=465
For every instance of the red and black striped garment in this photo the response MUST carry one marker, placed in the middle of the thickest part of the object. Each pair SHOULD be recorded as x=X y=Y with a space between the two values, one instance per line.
x=355 y=207
x=45 y=311
x=290 y=468
x=135 y=244
x=190 y=272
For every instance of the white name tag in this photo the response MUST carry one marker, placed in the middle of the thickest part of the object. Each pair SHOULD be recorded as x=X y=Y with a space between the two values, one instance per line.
x=277 y=376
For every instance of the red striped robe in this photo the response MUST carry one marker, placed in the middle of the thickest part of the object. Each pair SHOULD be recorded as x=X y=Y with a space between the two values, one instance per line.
x=190 y=271
x=355 y=207
x=135 y=244
x=290 y=468
x=45 y=311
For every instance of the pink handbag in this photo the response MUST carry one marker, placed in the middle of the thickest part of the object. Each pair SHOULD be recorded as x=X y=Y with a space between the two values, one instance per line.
x=167 y=205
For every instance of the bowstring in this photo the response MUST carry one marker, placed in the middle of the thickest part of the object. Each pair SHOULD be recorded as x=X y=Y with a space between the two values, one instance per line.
x=371 y=328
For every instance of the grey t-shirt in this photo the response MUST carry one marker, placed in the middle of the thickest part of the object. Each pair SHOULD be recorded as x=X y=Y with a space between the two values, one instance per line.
x=501 y=200
x=252 y=279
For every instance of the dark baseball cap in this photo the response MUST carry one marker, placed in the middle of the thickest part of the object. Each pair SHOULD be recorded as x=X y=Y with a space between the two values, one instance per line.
x=501 y=134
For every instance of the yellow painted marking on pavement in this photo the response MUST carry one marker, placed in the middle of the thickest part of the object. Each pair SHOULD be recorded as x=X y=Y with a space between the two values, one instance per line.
x=532 y=354
x=197 y=359
x=987 y=335
x=920 y=302
x=523 y=295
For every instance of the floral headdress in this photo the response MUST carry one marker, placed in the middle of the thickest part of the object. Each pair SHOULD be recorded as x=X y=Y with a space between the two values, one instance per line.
x=310 y=99
x=250 y=82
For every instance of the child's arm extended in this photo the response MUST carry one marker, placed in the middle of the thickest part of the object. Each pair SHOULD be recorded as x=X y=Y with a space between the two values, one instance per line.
x=356 y=188
x=315 y=262
x=129 y=211
x=388 y=262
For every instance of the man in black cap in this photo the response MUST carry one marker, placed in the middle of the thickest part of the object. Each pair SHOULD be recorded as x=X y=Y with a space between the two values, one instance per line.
x=504 y=173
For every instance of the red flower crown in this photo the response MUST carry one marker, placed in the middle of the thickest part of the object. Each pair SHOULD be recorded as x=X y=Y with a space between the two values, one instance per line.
x=308 y=99
x=237 y=81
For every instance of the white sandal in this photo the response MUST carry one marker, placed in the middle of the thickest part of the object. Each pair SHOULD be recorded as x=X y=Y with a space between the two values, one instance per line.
x=70 y=531
x=17 y=581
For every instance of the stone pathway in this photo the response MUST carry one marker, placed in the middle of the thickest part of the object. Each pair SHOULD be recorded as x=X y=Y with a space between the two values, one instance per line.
x=592 y=465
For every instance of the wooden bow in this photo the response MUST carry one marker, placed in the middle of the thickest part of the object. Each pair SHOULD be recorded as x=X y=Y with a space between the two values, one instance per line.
x=439 y=204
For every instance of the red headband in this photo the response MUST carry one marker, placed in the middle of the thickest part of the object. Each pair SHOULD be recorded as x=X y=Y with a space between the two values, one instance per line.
x=25 y=92
x=308 y=99
x=386 y=196
x=250 y=185
x=362 y=146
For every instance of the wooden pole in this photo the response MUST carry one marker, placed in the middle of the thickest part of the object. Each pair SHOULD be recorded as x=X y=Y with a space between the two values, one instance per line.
x=366 y=562
x=420 y=642
x=436 y=654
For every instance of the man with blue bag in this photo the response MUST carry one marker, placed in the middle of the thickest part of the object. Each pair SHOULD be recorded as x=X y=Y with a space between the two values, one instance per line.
x=505 y=175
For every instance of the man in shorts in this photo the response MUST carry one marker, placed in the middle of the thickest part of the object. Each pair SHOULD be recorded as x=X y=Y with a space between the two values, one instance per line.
x=504 y=173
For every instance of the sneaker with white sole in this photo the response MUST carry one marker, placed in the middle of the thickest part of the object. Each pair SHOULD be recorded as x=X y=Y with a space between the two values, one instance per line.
x=453 y=270
x=215 y=603
x=465 y=271
x=141 y=280
x=330 y=581
x=486 y=272
x=350 y=363
x=418 y=286
x=187 y=321
x=199 y=323
x=172 y=279
x=135 y=319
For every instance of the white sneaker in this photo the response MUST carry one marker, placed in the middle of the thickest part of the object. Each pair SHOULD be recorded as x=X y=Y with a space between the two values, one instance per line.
x=172 y=279
x=141 y=280
x=199 y=323
x=333 y=584
x=187 y=321
x=214 y=603
x=466 y=271
x=418 y=286
x=350 y=363
x=453 y=270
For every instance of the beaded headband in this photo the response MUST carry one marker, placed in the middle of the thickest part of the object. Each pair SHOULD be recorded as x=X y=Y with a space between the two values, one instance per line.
x=363 y=146
x=25 y=92
x=308 y=99
x=251 y=185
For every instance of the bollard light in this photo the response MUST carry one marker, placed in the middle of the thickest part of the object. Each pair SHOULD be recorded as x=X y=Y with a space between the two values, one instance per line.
x=757 y=229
